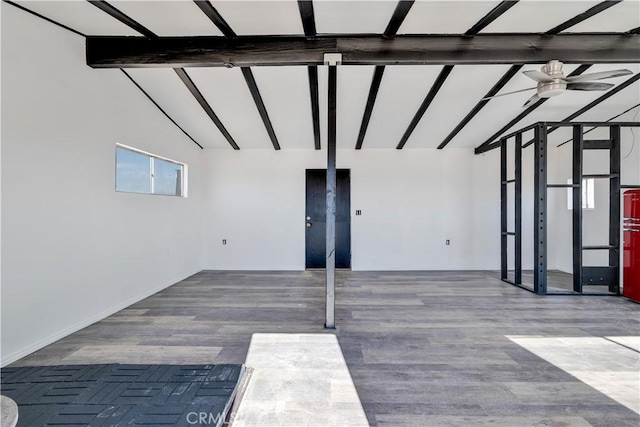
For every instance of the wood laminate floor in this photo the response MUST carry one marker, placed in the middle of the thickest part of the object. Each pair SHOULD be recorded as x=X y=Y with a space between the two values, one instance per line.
x=423 y=348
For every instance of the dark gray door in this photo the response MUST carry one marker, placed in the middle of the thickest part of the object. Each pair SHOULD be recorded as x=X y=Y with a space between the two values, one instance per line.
x=316 y=218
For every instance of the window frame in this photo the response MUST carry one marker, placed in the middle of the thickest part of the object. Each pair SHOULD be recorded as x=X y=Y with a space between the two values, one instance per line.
x=183 y=172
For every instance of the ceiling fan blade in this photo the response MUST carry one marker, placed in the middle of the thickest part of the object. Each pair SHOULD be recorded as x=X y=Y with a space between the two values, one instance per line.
x=534 y=98
x=509 y=93
x=538 y=76
x=598 y=76
x=589 y=86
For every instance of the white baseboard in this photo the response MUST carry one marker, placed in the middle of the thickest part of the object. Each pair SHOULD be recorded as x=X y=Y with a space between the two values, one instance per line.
x=83 y=324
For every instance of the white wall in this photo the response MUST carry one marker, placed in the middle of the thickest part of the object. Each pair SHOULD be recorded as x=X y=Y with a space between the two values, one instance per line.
x=74 y=250
x=411 y=202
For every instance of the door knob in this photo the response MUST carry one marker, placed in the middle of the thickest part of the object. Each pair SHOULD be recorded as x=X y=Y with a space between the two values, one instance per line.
x=308 y=218
x=308 y=225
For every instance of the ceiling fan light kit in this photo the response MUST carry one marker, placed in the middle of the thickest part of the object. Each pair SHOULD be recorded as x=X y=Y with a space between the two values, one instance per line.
x=552 y=81
x=555 y=84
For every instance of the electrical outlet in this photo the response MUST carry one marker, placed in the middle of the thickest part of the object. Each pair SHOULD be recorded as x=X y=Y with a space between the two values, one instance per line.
x=358 y=212
x=224 y=241
x=447 y=242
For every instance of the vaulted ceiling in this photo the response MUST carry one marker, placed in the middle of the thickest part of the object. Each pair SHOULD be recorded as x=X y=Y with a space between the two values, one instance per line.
x=402 y=106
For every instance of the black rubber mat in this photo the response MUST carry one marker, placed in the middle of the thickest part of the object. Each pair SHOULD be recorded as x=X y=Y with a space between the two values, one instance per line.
x=122 y=395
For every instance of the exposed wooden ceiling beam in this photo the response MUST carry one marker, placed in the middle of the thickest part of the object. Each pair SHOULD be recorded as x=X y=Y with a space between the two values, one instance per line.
x=130 y=22
x=512 y=71
x=524 y=113
x=160 y=108
x=594 y=103
x=594 y=128
x=444 y=73
x=191 y=86
x=308 y=17
x=584 y=16
x=399 y=14
x=217 y=19
x=137 y=52
x=255 y=93
x=146 y=94
x=24 y=9
x=315 y=104
x=205 y=105
x=556 y=125
x=125 y=19
x=371 y=100
x=570 y=117
x=494 y=14
x=309 y=24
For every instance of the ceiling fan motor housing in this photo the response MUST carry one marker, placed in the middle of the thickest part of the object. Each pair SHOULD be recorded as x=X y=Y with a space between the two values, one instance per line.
x=554 y=70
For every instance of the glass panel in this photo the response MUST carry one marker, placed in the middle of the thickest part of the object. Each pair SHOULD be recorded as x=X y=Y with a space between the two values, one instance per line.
x=133 y=171
x=167 y=178
x=588 y=194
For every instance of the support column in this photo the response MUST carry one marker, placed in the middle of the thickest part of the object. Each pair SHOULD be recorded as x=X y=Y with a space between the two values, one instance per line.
x=578 y=143
x=331 y=202
x=540 y=212
x=518 y=213
x=614 y=209
x=503 y=211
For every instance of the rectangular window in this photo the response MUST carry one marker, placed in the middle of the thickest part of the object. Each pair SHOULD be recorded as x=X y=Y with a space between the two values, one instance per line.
x=588 y=194
x=145 y=173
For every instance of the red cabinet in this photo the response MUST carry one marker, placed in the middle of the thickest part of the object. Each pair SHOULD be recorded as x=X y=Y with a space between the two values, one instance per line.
x=631 y=230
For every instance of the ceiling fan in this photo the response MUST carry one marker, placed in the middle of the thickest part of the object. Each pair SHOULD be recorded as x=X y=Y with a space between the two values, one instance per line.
x=552 y=81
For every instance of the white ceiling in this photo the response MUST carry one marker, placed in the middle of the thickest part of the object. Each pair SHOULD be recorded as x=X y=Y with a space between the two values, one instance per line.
x=353 y=89
x=79 y=15
x=444 y=17
x=261 y=17
x=451 y=108
x=352 y=16
x=536 y=16
x=226 y=91
x=164 y=86
x=285 y=90
x=621 y=17
x=169 y=18
x=402 y=91
x=492 y=117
